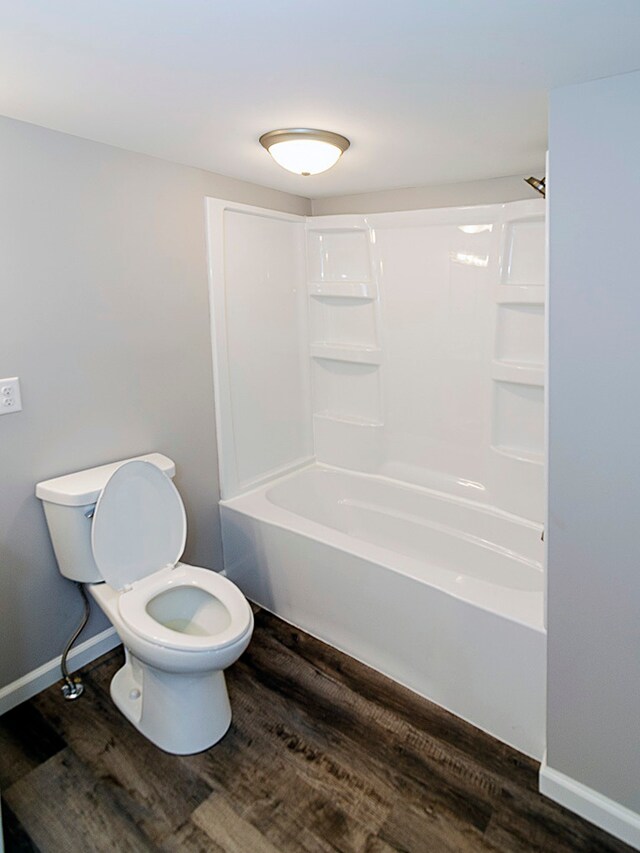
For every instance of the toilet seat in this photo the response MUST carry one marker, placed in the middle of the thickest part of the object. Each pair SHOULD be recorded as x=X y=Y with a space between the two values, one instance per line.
x=139 y=524
x=138 y=535
x=132 y=605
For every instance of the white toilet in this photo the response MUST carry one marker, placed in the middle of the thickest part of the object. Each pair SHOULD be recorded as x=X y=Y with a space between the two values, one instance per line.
x=121 y=529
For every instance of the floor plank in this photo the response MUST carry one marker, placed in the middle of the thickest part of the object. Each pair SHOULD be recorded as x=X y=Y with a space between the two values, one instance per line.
x=228 y=830
x=16 y=838
x=189 y=838
x=63 y=807
x=323 y=754
x=26 y=741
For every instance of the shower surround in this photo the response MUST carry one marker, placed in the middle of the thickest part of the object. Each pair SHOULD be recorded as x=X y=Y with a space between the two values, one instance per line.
x=380 y=404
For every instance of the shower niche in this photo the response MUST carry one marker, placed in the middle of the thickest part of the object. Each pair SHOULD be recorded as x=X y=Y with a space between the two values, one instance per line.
x=344 y=344
x=518 y=363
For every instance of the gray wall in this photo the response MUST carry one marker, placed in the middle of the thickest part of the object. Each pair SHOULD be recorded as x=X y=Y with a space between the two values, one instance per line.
x=490 y=191
x=105 y=319
x=594 y=437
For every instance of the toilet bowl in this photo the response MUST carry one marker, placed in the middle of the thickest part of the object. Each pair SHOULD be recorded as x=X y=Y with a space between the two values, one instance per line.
x=181 y=625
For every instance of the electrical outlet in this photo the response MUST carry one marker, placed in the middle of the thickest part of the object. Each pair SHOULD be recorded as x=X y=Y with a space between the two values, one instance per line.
x=10 y=400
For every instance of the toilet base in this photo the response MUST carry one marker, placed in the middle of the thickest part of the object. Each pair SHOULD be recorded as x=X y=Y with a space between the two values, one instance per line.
x=181 y=713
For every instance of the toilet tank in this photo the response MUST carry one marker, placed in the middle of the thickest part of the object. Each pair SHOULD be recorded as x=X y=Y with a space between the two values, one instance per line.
x=69 y=502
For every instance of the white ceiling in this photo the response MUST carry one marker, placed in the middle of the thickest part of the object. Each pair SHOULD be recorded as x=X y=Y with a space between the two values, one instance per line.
x=428 y=91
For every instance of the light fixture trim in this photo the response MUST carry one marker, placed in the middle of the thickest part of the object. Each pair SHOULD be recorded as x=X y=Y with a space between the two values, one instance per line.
x=539 y=184
x=274 y=138
x=288 y=134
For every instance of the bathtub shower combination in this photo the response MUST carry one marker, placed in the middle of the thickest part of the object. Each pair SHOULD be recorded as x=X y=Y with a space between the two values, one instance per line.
x=380 y=405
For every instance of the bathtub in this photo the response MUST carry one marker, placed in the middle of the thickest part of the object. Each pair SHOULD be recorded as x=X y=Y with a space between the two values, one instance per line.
x=443 y=595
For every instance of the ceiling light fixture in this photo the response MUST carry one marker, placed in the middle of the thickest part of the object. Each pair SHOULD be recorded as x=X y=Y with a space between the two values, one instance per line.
x=539 y=184
x=304 y=151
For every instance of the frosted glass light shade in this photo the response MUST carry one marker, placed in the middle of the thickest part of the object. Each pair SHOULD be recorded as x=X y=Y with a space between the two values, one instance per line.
x=305 y=156
x=304 y=151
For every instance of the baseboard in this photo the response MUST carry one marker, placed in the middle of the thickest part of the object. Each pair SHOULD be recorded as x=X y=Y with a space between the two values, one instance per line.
x=47 y=674
x=615 y=819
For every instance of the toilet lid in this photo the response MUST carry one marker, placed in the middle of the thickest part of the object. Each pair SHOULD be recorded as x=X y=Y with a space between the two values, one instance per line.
x=139 y=524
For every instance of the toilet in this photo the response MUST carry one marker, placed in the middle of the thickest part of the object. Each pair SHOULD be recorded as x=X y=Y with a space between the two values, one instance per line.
x=121 y=529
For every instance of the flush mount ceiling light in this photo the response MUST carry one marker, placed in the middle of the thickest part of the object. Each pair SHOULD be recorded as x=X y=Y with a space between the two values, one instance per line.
x=304 y=151
x=539 y=184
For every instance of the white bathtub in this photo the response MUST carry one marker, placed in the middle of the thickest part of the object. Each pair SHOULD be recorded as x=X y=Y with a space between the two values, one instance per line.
x=443 y=595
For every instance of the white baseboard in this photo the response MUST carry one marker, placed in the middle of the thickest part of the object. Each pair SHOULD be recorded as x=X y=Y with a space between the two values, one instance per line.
x=47 y=674
x=615 y=819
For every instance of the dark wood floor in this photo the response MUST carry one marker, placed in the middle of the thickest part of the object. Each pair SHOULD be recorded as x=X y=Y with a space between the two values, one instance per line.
x=323 y=754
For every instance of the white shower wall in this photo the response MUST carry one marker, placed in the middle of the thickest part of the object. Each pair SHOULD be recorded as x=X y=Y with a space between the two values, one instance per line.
x=261 y=369
x=412 y=347
x=427 y=349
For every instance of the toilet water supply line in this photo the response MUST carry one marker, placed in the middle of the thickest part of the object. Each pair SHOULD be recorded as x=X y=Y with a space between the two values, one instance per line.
x=73 y=687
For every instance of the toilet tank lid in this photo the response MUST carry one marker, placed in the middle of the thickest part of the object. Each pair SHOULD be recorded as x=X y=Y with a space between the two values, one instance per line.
x=84 y=487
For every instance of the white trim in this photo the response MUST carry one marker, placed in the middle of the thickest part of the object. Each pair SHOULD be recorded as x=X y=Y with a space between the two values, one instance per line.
x=547 y=309
x=47 y=674
x=600 y=810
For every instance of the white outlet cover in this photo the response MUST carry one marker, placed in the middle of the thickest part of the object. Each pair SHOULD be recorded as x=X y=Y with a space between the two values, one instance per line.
x=10 y=398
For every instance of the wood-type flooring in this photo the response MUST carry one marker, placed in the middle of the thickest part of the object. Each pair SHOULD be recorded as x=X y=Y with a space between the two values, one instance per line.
x=323 y=754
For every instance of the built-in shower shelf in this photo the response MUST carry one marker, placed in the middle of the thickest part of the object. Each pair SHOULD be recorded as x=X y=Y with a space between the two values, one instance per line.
x=343 y=289
x=346 y=419
x=345 y=352
x=520 y=294
x=521 y=374
x=348 y=225
x=520 y=455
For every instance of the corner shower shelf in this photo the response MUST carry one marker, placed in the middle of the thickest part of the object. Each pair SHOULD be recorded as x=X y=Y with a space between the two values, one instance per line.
x=339 y=228
x=346 y=352
x=520 y=455
x=521 y=374
x=347 y=419
x=343 y=289
x=520 y=294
